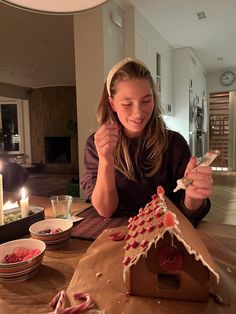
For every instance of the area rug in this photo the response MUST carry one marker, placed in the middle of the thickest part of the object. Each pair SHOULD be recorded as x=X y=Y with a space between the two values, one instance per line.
x=93 y=224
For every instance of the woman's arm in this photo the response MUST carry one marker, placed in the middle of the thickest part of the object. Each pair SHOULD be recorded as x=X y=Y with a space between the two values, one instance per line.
x=105 y=196
x=193 y=202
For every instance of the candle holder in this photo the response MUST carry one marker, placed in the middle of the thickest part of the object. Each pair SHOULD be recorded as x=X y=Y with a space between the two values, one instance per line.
x=20 y=227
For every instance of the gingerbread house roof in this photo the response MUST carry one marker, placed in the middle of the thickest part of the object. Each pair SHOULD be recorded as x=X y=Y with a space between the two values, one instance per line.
x=159 y=216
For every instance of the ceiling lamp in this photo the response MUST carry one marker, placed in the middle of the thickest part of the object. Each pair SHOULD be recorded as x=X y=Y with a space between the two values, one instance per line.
x=54 y=7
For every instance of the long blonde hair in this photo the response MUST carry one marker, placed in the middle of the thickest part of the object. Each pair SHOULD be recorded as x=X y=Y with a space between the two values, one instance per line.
x=153 y=140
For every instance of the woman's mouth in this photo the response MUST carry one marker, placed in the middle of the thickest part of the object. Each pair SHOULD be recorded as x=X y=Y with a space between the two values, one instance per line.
x=137 y=122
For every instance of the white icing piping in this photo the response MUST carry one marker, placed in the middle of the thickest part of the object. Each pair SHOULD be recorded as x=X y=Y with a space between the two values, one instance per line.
x=198 y=257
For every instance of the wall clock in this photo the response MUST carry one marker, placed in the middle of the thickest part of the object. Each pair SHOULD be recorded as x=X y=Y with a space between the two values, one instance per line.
x=227 y=78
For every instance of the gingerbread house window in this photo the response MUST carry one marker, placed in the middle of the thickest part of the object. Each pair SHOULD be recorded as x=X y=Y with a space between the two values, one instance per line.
x=166 y=281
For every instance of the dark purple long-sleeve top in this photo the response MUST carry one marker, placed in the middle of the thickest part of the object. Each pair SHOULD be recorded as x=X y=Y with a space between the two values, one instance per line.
x=134 y=195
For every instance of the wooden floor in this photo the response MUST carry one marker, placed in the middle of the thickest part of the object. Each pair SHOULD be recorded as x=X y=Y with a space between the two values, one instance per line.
x=223 y=199
x=48 y=184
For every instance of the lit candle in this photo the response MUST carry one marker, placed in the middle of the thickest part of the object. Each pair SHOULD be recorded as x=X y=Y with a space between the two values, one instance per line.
x=1 y=201
x=24 y=204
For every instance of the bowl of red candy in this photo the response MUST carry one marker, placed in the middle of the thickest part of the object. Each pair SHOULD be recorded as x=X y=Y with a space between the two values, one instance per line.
x=20 y=259
x=54 y=232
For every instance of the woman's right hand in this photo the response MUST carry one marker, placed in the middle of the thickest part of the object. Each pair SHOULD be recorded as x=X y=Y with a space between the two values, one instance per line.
x=105 y=140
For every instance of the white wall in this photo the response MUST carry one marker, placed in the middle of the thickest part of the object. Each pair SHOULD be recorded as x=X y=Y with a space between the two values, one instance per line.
x=148 y=42
x=213 y=82
x=113 y=36
x=98 y=45
x=180 y=122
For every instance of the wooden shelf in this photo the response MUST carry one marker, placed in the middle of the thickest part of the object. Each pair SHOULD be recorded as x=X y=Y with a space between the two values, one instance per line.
x=219 y=126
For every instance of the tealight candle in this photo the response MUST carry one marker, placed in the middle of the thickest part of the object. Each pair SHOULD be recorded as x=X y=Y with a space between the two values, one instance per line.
x=24 y=204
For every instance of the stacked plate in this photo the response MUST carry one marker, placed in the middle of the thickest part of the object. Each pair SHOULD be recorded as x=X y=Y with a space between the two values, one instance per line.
x=20 y=259
x=53 y=232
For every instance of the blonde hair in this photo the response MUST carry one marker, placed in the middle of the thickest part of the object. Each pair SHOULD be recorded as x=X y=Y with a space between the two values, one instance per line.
x=153 y=140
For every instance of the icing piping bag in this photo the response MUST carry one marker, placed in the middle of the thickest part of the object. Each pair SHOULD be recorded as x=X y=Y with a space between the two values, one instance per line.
x=207 y=159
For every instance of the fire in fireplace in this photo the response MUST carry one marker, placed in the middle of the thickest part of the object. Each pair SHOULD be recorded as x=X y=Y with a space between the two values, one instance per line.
x=57 y=149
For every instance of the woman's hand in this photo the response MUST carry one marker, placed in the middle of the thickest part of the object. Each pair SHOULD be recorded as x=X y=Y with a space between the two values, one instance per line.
x=105 y=140
x=201 y=187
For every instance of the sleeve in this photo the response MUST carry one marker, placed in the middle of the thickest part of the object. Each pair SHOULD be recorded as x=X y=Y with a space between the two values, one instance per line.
x=179 y=157
x=89 y=177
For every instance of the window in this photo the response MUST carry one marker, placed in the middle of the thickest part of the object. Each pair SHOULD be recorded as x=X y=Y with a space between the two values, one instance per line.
x=11 y=127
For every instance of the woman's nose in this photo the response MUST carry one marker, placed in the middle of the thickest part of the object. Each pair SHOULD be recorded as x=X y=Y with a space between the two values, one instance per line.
x=137 y=109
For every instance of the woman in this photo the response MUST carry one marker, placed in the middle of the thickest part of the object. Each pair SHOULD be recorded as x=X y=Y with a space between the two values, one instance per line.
x=133 y=152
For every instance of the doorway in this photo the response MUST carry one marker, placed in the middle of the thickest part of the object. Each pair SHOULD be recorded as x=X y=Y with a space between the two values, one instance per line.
x=222 y=129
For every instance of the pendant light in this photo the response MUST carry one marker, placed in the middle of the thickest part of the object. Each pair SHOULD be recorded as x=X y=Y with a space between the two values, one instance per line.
x=54 y=6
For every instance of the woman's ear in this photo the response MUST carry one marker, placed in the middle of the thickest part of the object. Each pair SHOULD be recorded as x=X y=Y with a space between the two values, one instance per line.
x=111 y=101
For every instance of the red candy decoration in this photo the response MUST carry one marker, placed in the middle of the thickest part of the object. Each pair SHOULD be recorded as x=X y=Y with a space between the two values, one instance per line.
x=134 y=244
x=127 y=246
x=21 y=254
x=135 y=234
x=169 y=220
x=133 y=227
x=142 y=231
x=142 y=222
x=144 y=243
x=160 y=190
x=150 y=228
x=126 y=260
x=170 y=258
x=116 y=236
x=127 y=237
x=160 y=224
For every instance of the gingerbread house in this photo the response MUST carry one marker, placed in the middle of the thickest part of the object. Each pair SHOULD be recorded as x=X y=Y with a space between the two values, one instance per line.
x=165 y=256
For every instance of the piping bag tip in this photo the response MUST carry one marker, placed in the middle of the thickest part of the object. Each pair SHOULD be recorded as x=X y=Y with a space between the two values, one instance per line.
x=185 y=182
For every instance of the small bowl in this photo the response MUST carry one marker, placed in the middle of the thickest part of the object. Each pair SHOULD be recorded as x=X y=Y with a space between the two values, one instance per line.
x=22 y=270
x=52 y=240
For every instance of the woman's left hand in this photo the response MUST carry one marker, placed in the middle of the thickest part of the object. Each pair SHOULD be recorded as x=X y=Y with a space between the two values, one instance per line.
x=201 y=186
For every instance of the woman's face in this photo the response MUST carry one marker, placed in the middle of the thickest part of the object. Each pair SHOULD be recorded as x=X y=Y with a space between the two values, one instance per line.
x=133 y=103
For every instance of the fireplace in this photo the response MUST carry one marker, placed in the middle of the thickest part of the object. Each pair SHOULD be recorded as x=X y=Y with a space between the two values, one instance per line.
x=57 y=149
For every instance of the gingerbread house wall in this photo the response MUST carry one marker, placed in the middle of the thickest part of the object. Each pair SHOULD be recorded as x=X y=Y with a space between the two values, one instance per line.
x=193 y=278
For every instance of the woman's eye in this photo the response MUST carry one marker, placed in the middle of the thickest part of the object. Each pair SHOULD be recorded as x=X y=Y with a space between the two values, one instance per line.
x=146 y=101
x=127 y=105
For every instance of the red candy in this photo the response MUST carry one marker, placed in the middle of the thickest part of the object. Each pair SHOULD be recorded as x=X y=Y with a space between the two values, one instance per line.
x=21 y=254
x=134 y=244
x=169 y=220
x=50 y=231
x=160 y=190
x=150 y=228
x=160 y=224
x=117 y=236
x=143 y=230
x=144 y=243
x=127 y=237
x=135 y=234
x=170 y=258
x=126 y=260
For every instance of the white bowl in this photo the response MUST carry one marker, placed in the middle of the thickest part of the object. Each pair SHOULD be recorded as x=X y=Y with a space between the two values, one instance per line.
x=22 y=270
x=52 y=240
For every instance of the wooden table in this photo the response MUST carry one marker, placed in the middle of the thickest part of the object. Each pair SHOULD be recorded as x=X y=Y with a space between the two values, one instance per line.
x=33 y=295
